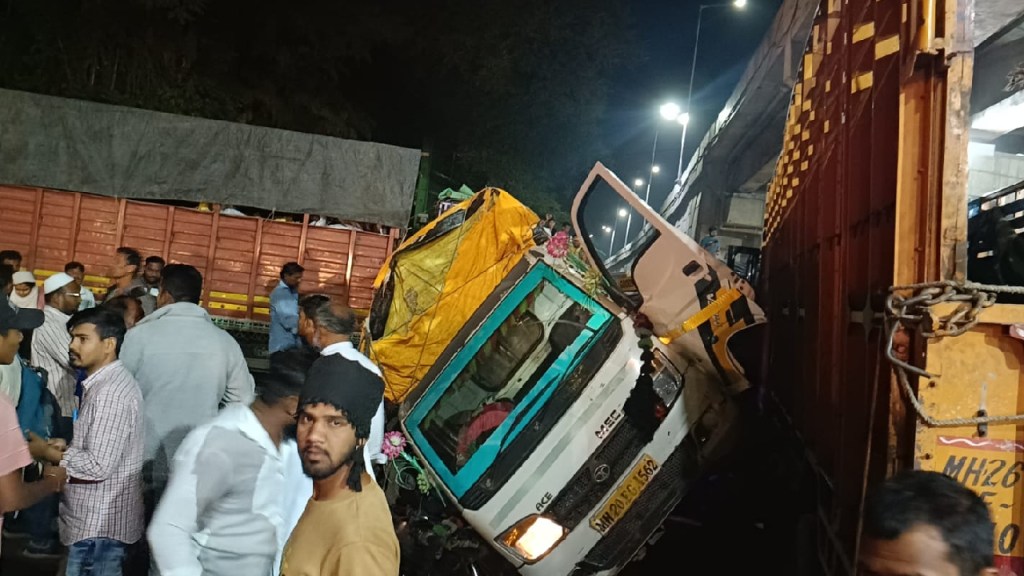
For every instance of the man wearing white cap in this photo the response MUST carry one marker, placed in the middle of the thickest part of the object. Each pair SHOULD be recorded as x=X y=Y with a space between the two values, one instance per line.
x=50 y=341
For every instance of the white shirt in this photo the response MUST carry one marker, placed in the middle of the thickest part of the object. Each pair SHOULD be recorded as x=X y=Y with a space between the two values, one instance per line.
x=225 y=510
x=372 y=448
x=88 y=299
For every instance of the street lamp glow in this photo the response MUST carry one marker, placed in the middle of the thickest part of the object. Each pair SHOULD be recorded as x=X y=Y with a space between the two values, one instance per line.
x=606 y=229
x=623 y=213
x=683 y=119
x=670 y=111
x=740 y=3
x=638 y=182
x=655 y=169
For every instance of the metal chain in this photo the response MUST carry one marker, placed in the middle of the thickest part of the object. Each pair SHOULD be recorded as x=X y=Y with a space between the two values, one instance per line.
x=913 y=313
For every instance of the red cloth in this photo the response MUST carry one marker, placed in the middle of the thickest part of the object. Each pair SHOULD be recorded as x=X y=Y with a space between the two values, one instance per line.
x=488 y=419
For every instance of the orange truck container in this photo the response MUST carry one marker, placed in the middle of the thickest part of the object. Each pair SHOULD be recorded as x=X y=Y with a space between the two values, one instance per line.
x=870 y=194
x=239 y=256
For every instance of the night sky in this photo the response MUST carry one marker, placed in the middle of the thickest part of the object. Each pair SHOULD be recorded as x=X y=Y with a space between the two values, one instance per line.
x=665 y=30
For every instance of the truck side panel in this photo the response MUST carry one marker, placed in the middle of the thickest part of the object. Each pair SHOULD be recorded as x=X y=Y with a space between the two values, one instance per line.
x=240 y=257
x=828 y=255
x=870 y=192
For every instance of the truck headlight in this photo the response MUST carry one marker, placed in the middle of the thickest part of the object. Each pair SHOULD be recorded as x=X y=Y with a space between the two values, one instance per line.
x=532 y=537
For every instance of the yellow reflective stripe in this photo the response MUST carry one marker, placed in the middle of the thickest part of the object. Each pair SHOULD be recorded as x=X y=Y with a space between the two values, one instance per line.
x=724 y=300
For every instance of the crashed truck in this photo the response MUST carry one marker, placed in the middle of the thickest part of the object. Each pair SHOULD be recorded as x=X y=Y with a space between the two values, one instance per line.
x=528 y=382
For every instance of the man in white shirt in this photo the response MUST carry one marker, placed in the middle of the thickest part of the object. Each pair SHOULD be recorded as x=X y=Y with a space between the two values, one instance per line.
x=328 y=326
x=77 y=271
x=50 y=342
x=223 y=512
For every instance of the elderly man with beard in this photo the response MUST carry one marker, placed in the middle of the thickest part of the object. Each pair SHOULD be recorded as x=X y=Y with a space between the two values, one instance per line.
x=346 y=528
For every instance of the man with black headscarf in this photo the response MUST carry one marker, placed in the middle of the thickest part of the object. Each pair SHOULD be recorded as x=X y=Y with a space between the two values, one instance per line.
x=347 y=527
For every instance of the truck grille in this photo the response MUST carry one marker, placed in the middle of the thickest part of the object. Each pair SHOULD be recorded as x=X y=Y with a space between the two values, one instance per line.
x=583 y=492
x=647 y=513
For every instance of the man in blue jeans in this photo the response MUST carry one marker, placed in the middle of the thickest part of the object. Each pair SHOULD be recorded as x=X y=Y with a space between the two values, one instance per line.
x=101 y=509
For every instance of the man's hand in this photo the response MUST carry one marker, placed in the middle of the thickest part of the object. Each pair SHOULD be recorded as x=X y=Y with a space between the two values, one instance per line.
x=58 y=443
x=56 y=476
x=42 y=450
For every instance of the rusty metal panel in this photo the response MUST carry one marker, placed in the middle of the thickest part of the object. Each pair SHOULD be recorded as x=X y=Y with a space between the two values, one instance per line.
x=980 y=370
x=17 y=217
x=239 y=257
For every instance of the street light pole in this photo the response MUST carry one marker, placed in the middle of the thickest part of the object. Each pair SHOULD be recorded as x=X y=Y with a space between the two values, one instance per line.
x=654 y=151
x=693 y=70
x=629 y=218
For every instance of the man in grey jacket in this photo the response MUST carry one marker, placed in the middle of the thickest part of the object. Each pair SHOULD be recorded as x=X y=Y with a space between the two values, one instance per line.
x=187 y=368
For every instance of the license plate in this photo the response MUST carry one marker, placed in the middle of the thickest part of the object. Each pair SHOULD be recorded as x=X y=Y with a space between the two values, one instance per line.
x=625 y=494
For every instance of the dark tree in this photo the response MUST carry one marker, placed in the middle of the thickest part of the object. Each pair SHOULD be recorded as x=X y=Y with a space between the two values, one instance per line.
x=508 y=94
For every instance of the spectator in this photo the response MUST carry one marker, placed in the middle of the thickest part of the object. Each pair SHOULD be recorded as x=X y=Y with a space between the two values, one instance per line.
x=926 y=523
x=10 y=373
x=284 y=309
x=14 y=452
x=128 y=307
x=223 y=511
x=6 y=279
x=151 y=274
x=50 y=343
x=26 y=295
x=77 y=271
x=711 y=243
x=347 y=526
x=11 y=258
x=101 y=510
x=26 y=292
x=549 y=226
x=187 y=369
x=329 y=327
x=125 y=272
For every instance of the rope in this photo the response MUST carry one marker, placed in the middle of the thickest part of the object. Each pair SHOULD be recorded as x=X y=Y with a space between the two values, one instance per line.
x=950 y=422
x=972 y=299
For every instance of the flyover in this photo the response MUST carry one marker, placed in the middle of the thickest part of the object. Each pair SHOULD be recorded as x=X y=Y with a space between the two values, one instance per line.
x=725 y=181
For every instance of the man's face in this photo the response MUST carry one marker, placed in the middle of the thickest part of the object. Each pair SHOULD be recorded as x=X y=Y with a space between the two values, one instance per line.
x=23 y=289
x=9 y=343
x=87 y=349
x=327 y=440
x=307 y=328
x=163 y=298
x=16 y=264
x=151 y=272
x=293 y=280
x=69 y=298
x=78 y=274
x=920 y=551
x=119 y=268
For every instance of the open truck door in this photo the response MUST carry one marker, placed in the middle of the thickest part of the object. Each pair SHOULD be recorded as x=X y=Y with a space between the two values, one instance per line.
x=694 y=301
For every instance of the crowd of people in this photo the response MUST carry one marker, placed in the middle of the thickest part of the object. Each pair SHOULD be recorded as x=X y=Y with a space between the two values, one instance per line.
x=133 y=423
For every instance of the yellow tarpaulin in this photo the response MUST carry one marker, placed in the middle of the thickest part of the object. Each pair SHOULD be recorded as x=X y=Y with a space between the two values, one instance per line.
x=437 y=279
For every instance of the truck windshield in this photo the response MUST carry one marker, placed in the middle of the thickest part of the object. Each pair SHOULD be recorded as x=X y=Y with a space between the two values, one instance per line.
x=505 y=373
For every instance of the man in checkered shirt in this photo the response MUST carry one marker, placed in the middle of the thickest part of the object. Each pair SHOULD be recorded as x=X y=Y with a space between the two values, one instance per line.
x=101 y=510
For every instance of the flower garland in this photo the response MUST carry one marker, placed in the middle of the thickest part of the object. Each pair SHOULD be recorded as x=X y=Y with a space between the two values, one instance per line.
x=394 y=449
x=644 y=408
x=558 y=246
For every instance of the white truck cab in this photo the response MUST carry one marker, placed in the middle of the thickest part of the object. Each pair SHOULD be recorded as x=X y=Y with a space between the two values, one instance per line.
x=539 y=421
